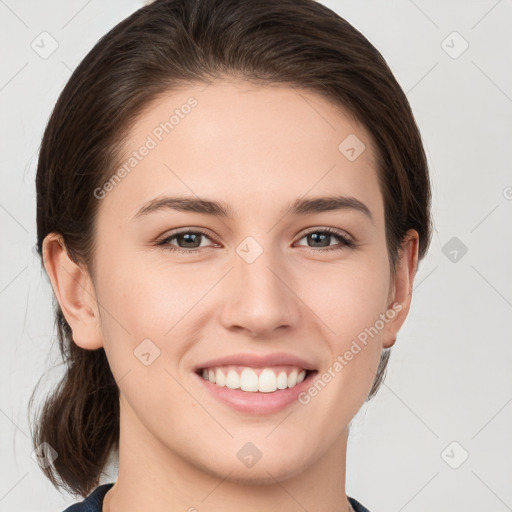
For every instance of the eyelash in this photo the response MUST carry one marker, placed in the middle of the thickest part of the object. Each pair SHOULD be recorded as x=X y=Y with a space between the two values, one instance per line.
x=343 y=239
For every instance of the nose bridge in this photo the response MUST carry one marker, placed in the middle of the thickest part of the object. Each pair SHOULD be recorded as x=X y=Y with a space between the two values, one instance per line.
x=259 y=300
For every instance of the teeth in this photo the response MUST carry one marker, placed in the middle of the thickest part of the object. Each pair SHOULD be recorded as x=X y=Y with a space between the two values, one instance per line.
x=220 y=379
x=232 y=380
x=267 y=382
x=282 y=380
x=248 y=380
x=292 y=379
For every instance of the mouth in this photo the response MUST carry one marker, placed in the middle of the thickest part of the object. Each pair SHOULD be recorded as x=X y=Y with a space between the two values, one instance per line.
x=256 y=380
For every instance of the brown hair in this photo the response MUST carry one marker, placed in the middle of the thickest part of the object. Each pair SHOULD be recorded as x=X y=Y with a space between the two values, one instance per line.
x=170 y=43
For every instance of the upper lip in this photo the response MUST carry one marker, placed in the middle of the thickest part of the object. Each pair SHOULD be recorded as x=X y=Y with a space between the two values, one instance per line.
x=257 y=361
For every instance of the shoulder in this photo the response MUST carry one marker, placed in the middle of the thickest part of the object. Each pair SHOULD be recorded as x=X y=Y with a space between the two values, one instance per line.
x=356 y=505
x=93 y=502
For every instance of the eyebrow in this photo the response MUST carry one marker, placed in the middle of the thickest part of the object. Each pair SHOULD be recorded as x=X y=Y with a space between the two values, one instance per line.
x=221 y=209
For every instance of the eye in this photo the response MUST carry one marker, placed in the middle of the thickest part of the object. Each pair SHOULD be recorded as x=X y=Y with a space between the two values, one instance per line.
x=322 y=237
x=188 y=241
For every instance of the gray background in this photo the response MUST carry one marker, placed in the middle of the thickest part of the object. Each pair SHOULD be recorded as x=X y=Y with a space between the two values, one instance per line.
x=448 y=391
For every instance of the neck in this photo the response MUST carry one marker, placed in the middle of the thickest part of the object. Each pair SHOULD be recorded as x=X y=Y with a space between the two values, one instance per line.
x=153 y=477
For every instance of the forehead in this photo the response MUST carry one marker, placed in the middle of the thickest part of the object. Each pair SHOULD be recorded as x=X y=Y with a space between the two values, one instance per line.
x=248 y=145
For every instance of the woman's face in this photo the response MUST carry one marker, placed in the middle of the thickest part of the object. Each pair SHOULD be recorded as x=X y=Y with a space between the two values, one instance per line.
x=262 y=279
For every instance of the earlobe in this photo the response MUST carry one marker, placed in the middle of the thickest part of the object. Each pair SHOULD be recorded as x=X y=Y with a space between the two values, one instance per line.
x=74 y=291
x=402 y=285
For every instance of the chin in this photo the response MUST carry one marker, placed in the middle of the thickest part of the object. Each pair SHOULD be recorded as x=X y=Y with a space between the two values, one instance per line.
x=275 y=466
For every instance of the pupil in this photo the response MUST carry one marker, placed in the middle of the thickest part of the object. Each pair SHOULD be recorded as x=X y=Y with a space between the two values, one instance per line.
x=324 y=237
x=189 y=239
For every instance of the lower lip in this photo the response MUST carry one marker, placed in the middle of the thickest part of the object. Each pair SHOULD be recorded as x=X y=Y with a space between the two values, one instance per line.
x=257 y=402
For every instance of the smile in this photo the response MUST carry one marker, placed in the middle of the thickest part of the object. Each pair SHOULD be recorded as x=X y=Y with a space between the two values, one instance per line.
x=263 y=380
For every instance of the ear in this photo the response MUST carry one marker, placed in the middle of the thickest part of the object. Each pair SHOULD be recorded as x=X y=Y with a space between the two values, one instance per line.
x=73 y=288
x=401 y=288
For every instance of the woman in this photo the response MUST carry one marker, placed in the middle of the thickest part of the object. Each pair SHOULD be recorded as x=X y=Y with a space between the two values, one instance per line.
x=232 y=201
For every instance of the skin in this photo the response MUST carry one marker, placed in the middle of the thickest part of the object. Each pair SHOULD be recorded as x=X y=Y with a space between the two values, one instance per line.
x=257 y=148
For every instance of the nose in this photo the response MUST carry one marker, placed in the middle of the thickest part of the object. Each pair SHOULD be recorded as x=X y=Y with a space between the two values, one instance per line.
x=260 y=296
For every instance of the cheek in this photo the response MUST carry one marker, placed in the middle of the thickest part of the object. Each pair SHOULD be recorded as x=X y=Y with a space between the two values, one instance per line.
x=350 y=302
x=143 y=301
x=348 y=298
x=147 y=298
x=349 y=306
